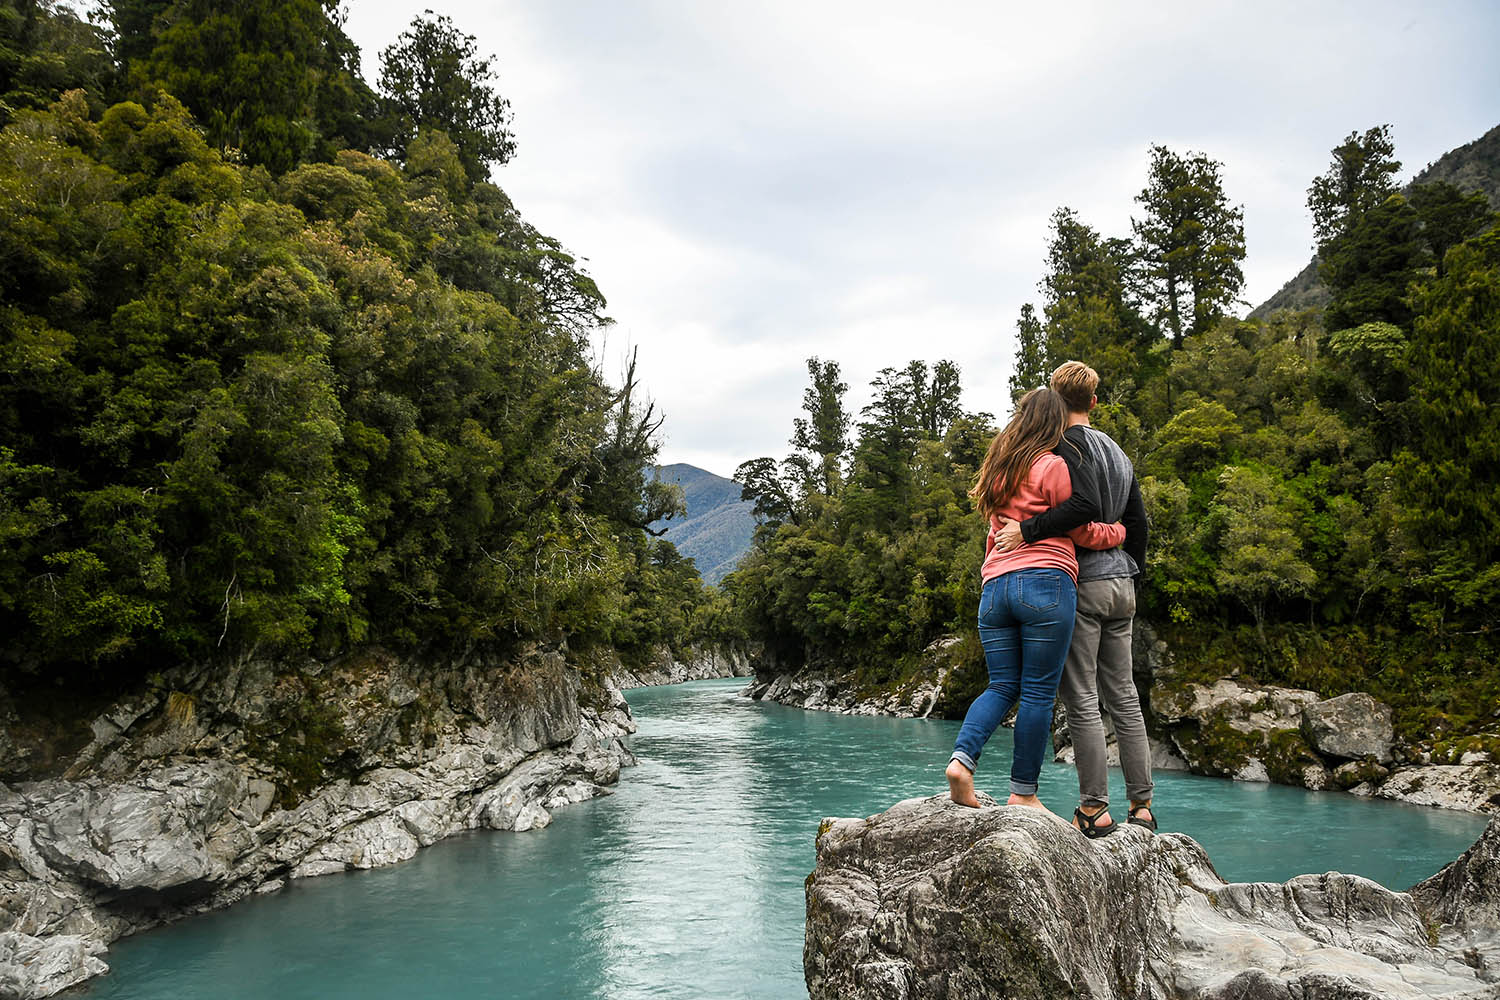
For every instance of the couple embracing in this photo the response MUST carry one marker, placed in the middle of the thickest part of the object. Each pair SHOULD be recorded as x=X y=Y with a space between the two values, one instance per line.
x=1067 y=539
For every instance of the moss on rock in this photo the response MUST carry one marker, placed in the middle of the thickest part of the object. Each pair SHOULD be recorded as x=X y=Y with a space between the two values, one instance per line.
x=1216 y=748
x=1288 y=756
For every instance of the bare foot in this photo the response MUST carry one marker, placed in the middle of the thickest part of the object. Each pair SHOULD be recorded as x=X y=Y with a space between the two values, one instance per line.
x=961 y=785
x=1029 y=801
x=1102 y=824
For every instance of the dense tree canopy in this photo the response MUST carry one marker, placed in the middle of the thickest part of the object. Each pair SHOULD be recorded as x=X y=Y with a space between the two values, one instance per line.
x=868 y=571
x=434 y=78
x=277 y=81
x=349 y=400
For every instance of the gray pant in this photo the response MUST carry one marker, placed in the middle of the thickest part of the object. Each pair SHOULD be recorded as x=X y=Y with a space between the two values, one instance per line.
x=1099 y=664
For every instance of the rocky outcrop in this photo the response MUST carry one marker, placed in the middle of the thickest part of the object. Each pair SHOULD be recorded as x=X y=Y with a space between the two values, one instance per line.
x=1352 y=727
x=699 y=664
x=1242 y=731
x=933 y=900
x=218 y=783
x=1255 y=732
x=1463 y=902
x=39 y=967
x=1474 y=787
x=915 y=698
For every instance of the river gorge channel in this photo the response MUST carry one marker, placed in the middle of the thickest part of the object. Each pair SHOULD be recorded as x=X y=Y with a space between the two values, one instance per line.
x=688 y=880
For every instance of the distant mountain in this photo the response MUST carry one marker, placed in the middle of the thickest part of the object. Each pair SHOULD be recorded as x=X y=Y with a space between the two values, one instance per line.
x=1474 y=167
x=718 y=526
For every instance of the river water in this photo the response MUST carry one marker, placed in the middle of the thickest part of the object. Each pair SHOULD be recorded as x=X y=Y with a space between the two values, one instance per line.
x=687 y=882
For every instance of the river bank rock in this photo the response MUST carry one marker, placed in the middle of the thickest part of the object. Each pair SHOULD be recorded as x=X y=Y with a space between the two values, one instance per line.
x=933 y=900
x=31 y=967
x=228 y=781
x=1238 y=730
x=1252 y=732
x=699 y=664
x=1471 y=787
x=1352 y=726
x=845 y=693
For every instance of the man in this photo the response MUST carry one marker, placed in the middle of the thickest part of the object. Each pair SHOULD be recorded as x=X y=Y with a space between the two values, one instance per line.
x=1105 y=488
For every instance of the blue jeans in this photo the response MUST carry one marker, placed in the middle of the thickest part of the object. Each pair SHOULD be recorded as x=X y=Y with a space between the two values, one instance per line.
x=1025 y=624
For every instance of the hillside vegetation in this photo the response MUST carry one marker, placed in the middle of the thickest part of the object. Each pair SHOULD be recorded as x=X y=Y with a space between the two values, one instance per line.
x=284 y=369
x=1323 y=486
x=715 y=527
x=1472 y=168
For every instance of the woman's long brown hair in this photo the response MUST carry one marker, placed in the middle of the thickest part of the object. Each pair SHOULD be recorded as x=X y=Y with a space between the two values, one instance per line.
x=1035 y=428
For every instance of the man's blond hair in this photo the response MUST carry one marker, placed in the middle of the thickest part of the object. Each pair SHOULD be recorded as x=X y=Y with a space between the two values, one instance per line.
x=1076 y=382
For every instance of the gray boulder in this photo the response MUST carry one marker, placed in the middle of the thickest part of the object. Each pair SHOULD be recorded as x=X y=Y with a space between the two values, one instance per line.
x=1230 y=729
x=1351 y=726
x=933 y=900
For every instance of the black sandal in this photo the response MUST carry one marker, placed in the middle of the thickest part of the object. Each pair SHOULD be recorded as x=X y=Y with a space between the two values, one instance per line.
x=1149 y=824
x=1089 y=825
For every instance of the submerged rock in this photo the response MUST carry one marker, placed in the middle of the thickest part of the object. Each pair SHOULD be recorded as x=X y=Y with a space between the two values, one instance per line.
x=933 y=900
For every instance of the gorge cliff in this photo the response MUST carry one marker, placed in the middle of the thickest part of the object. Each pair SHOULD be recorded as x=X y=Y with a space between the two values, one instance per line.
x=213 y=783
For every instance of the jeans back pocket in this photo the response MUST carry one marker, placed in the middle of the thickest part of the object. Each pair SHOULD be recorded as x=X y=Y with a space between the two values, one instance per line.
x=1040 y=591
x=988 y=595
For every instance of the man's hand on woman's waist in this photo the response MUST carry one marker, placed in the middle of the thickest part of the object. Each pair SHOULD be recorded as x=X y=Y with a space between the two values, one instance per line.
x=1009 y=535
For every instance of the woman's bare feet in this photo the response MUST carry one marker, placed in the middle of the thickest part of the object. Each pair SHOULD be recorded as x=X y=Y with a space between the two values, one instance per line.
x=1029 y=801
x=1104 y=823
x=961 y=785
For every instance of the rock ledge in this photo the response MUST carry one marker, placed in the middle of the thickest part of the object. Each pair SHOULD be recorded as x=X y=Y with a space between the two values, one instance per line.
x=932 y=900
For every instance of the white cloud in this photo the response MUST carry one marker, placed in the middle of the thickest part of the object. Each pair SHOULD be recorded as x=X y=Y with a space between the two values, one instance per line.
x=756 y=183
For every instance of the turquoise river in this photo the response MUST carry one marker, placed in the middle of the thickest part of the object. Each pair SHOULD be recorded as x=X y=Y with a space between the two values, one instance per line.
x=687 y=882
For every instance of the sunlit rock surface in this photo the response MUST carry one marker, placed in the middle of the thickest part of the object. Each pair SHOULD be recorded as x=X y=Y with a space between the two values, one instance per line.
x=933 y=900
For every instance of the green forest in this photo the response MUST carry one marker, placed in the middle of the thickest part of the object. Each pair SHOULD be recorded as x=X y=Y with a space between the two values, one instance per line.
x=1323 y=486
x=284 y=370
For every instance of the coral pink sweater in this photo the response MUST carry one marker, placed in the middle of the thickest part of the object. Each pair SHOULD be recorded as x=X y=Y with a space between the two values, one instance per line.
x=1047 y=485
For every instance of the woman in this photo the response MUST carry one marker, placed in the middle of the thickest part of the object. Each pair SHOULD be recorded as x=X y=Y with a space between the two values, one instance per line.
x=1029 y=596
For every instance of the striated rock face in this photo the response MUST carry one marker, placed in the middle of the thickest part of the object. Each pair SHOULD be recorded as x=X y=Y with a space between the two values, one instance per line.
x=700 y=665
x=933 y=900
x=1351 y=726
x=233 y=780
x=1463 y=900
x=39 y=967
x=843 y=694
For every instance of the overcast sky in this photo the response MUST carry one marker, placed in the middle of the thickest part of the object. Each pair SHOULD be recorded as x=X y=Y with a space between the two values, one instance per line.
x=753 y=183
